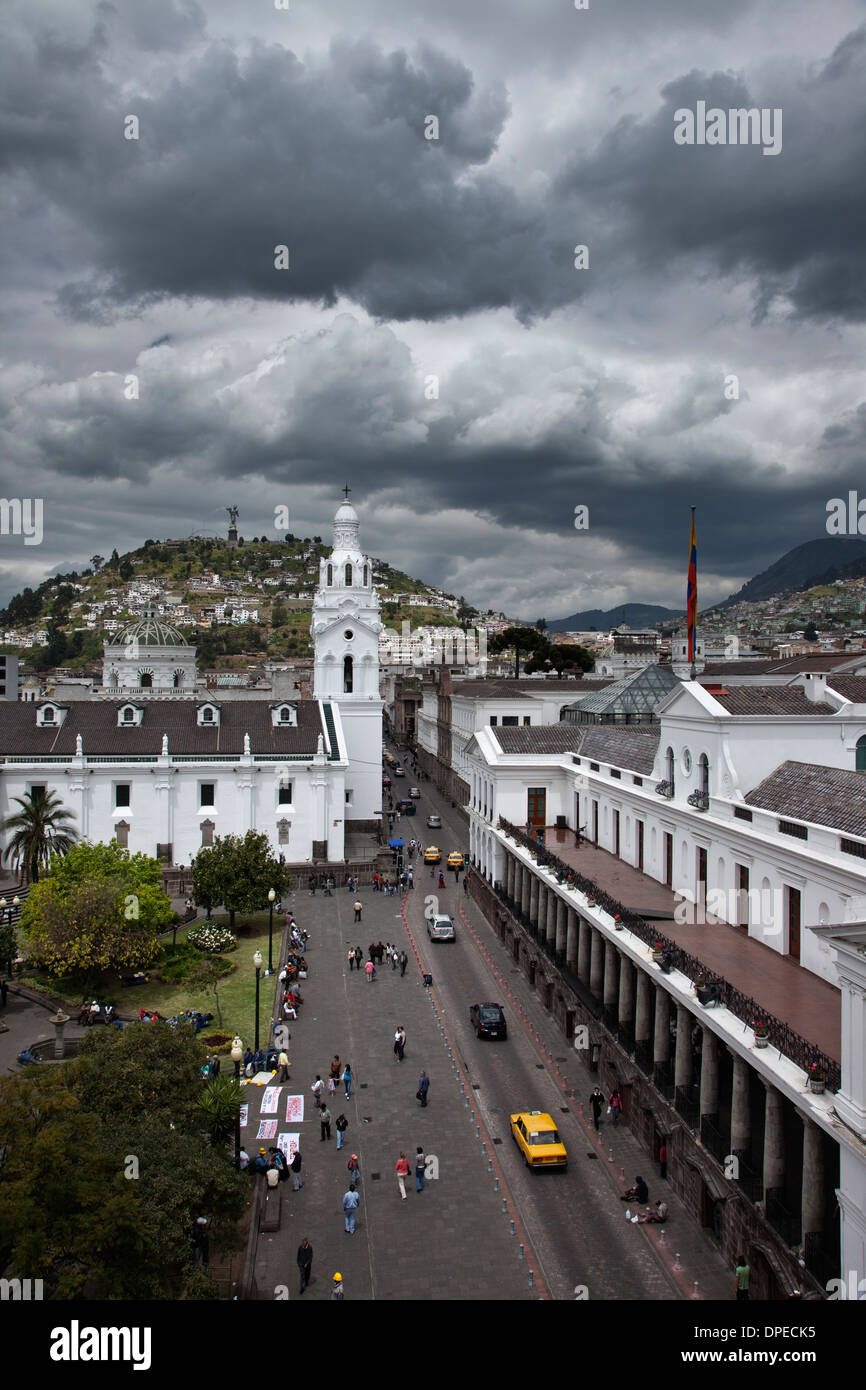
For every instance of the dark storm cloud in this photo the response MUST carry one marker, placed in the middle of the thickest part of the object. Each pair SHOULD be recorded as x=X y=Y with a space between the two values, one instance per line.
x=795 y=221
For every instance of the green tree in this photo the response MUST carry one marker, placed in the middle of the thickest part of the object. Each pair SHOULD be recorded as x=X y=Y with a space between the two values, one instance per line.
x=40 y=829
x=100 y=908
x=237 y=873
x=218 y=1105
x=517 y=639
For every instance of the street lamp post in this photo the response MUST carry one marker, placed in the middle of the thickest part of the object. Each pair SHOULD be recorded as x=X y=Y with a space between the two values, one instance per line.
x=272 y=897
x=257 y=962
x=237 y=1055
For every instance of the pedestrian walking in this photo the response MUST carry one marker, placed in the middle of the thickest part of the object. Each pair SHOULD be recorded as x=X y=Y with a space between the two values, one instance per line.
x=615 y=1105
x=420 y=1166
x=325 y=1122
x=423 y=1088
x=283 y=1064
x=317 y=1088
x=357 y=906
x=351 y=1202
x=347 y=1080
x=410 y=877
x=402 y=1169
x=295 y=1166
x=305 y=1262
x=441 y=879
x=359 y=956
x=311 y=884
x=341 y=1124
x=350 y=957
x=200 y=1241
x=742 y=1272
x=465 y=883
x=370 y=971
x=399 y=1042
x=663 y=1160
x=354 y=1168
x=337 y=1290
x=394 y=958
x=596 y=1100
x=335 y=1071
x=404 y=961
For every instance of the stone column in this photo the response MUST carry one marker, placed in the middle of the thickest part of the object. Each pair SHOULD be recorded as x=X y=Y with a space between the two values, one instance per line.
x=534 y=889
x=554 y=904
x=509 y=874
x=626 y=990
x=813 y=1178
x=741 y=1120
x=525 y=888
x=559 y=927
x=709 y=1074
x=683 y=1054
x=596 y=963
x=774 y=1140
x=662 y=1039
x=611 y=976
x=583 y=950
x=643 y=1013
x=570 y=937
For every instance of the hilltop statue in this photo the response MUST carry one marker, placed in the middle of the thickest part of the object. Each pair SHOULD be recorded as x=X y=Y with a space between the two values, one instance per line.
x=233 y=516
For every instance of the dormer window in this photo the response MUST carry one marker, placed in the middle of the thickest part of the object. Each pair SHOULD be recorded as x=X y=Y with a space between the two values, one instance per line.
x=208 y=716
x=284 y=716
x=129 y=716
x=50 y=716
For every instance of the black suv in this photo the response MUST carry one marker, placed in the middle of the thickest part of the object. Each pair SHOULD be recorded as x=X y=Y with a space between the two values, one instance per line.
x=488 y=1020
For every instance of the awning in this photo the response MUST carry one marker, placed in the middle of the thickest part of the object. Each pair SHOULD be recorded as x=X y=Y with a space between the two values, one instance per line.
x=396 y=844
x=719 y=1189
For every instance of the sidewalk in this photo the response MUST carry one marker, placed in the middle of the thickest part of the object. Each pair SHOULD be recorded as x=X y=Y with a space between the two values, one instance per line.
x=450 y=1242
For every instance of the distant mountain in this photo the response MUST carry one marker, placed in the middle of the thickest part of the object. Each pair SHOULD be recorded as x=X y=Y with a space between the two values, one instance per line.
x=633 y=614
x=815 y=562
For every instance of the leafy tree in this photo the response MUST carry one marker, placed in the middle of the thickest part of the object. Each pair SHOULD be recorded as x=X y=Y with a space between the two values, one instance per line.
x=209 y=975
x=41 y=828
x=100 y=908
x=237 y=873
x=541 y=624
x=517 y=639
x=72 y=1210
x=125 y=569
x=811 y=633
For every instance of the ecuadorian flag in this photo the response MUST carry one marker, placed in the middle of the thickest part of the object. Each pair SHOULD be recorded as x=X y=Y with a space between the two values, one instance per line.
x=692 y=592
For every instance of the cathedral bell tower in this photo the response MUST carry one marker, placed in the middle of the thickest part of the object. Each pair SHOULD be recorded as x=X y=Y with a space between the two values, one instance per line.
x=345 y=633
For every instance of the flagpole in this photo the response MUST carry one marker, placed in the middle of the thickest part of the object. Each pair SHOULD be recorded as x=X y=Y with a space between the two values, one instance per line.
x=693 y=622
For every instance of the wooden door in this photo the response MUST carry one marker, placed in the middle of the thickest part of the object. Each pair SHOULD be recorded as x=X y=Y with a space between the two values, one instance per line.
x=669 y=860
x=536 y=805
x=793 y=896
x=639 y=825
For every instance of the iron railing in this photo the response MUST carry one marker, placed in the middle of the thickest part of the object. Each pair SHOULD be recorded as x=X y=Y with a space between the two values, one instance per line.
x=688 y=1105
x=789 y=1043
x=643 y=1055
x=748 y=1178
x=786 y=1222
x=715 y=1140
x=663 y=1079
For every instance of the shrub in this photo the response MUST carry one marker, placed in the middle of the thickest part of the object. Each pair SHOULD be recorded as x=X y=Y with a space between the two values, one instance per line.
x=211 y=938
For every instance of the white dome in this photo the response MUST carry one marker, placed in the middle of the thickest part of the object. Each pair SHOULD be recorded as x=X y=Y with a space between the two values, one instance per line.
x=346 y=513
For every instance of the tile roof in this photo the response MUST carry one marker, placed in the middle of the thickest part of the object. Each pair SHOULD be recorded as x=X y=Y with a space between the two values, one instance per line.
x=630 y=746
x=850 y=687
x=515 y=690
x=541 y=739
x=772 y=700
x=96 y=721
x=828 y=796
x=789 y=665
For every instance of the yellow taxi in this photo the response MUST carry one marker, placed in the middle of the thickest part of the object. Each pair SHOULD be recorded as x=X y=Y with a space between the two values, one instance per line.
x=537 y=1138
x=455 y=859
x=432 y=855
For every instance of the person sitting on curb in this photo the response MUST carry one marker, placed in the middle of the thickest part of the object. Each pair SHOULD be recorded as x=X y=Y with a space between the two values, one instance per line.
x=639 y=1193
x=660 y=1214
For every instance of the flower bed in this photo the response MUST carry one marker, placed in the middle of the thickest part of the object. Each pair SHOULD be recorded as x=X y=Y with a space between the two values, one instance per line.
x=211 y=938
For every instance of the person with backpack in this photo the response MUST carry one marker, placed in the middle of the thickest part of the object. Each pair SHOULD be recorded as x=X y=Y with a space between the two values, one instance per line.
x=420 y=1168
x=354 y=1168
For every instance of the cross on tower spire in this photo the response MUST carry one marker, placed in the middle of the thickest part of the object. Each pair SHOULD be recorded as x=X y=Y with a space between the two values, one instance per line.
x=346 y=491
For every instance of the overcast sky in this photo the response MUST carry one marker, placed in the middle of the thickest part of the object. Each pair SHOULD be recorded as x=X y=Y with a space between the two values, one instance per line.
x=412 y=258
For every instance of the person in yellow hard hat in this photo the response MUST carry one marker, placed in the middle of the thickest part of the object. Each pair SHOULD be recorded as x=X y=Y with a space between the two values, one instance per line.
x=337 y=1290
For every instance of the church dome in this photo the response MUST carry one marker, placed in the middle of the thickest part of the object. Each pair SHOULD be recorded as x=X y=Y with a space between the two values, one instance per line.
x=150 y=632
x=346 y=513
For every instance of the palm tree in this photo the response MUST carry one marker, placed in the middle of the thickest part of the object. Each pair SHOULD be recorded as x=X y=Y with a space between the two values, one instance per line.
x=41 y=828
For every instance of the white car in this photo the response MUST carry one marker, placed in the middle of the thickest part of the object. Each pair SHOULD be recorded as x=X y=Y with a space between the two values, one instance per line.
x=398 y=772
x=434 y=822
x=440 y=927
x=415 y=792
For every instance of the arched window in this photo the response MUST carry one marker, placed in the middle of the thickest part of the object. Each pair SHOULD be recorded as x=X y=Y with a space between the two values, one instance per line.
x=348 y=672
x=128 y=715
x=285 y=714
x=669 y=775
x=366 y=581
x=178 y=679
x=145 y=680
x=348 y=576
x=207 y=716
x=48 y=716
x=860 y=764
x=330 y=575
x=704 y=773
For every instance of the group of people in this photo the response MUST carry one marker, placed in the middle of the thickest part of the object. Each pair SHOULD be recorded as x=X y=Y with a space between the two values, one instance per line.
x=391 y=886
x=614 y=1106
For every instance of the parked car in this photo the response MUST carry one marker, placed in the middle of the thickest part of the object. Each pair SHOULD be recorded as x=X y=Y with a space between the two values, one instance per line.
x=432 y=855
x=440 y=927
x=488 y=1020
x=537 y=1138
x=386 y=782
x=413 y=791
x=434 y=822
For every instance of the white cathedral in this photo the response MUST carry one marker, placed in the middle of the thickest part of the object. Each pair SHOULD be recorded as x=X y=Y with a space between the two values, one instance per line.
x=164 y=775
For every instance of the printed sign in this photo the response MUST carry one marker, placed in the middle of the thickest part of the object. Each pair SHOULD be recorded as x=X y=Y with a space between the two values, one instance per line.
x=271 y=1100
x=295 y=1110
x=267 y=1129
x=289 y=1145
